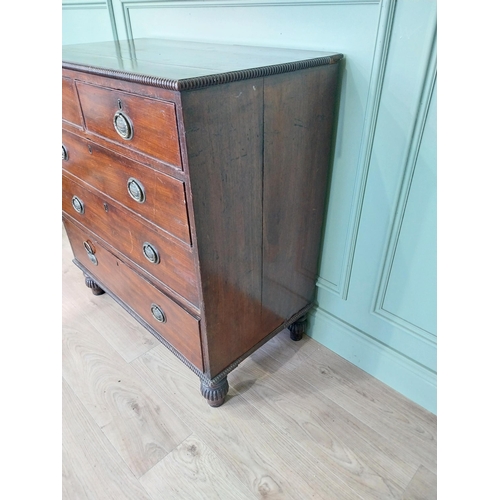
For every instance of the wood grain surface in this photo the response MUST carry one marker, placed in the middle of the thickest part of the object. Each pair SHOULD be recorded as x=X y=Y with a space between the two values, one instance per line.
x=225 y=168
x=359 y=457
x=108 y=172
x=200 y=474
x=124 y=232
x=102 y=313
x=71 y=112
x=142 y=428
x=298 y=117
x=378 y=406
x=154 y=122
x=244 y=439
x=299 y=422
x=179 y=328
x=423 y=486
x=92 y=468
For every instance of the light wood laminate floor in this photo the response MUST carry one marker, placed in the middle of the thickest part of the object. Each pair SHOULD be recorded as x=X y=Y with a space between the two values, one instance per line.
x=299 y=421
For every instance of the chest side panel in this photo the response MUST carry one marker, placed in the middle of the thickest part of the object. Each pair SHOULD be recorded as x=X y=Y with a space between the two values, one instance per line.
x=298 y=116
x=224 y=134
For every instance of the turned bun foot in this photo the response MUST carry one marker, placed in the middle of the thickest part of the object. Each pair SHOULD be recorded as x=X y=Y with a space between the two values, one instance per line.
x=298 y=329
x=215 y=393
x=96 y=289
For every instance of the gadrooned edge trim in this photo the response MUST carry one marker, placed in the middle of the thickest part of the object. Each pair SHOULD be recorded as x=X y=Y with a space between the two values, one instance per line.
x=204 y=81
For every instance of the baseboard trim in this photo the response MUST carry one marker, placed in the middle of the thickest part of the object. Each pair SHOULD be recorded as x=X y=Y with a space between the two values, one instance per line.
x=411 y=379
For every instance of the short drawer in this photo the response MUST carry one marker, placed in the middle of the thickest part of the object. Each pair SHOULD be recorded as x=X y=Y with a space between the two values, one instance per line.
x=167 y=318
x=158 y=197
x=70 y=105
x=174 y=265
x=145 y=125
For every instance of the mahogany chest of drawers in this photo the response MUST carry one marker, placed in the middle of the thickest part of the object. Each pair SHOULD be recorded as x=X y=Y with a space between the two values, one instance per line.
x=194 y=180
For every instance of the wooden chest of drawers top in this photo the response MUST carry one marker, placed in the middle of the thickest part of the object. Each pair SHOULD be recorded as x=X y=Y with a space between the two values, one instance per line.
x=200 y=172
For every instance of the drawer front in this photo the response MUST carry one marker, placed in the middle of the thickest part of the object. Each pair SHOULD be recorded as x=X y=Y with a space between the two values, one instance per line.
x=70 y=105
x=151 y=124
x=175 y=266
x=177 y=326
x=163 y=201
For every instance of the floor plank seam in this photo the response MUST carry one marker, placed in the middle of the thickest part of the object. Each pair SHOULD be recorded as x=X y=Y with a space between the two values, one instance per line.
x=201 y=432
x=282 y=425
x=104 y=436
x=158 y=464
x=170 y=403
x=357 y=428
x=359 y=417
x=145 y=352
x=305 y=453
x=146 y=383
x=117 y=457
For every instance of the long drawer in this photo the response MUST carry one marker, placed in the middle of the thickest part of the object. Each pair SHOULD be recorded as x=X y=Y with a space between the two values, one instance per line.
x=167 y=318
x=136 y=122
x=157 y=197
x=171 y=263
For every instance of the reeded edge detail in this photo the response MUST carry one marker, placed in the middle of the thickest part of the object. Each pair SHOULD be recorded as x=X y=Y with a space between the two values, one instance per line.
x=210 y=382
x=90 y=283
x=204 y=81
x=298 y=328
x=214 y=393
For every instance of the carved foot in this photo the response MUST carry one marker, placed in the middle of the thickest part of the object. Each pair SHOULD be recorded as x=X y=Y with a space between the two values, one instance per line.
x=96 y=289
x=298 y=328
x=215 y=393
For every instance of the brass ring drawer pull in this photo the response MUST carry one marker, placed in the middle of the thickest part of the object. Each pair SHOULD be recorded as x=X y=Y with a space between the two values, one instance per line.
x=158 y=314
x=78 y=204
x=90 y=252
x=64 y=152
x=150 y=253
x=136 y=190
x=123 y=125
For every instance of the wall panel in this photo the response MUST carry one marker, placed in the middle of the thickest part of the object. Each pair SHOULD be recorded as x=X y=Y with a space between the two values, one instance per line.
x=395 y=255
x=407 y=294
x=86 y=22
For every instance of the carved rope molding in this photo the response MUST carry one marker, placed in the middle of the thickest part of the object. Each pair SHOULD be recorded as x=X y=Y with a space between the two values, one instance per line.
x=411 y=155
x=205 y=81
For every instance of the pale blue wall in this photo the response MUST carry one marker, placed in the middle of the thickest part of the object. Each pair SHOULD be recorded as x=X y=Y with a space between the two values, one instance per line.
x=377 y=283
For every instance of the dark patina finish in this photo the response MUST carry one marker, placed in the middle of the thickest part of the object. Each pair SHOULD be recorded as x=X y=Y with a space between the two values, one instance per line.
x=195 y=176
